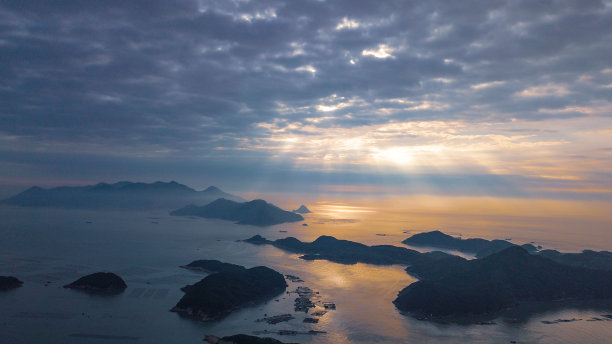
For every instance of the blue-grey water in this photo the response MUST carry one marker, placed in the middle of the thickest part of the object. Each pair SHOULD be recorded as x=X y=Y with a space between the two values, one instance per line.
x=48 y=248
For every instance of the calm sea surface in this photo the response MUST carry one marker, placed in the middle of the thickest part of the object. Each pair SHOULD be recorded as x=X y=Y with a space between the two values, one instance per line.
x=47 y=248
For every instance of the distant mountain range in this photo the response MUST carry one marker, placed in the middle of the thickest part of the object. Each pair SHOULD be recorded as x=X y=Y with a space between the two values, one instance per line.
x=121 y=195
x=257 y=212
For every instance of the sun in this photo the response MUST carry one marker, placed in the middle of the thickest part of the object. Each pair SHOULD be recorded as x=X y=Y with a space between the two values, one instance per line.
x=396 y=155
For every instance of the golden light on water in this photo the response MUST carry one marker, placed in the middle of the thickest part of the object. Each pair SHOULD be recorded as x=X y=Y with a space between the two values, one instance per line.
x=340 y=209
x=557 y=224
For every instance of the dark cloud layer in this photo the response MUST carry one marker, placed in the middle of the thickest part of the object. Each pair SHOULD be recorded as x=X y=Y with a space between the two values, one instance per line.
x=192 y=80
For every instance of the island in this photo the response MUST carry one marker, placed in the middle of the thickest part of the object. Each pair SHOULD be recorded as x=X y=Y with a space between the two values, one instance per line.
x=241 y=339
x=219 y=294
x=257 y=212
x=499 y=281
x=601 y=260
x=302 y=210
x=99 y=282
x=211 y=266
x=120 y=195
x=9 y=282
x=480 y=247
x=350 y=252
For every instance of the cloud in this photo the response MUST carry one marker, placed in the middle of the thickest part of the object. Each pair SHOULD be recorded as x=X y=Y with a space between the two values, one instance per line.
x=383 y=51
x=209 y=80
x=548 y=90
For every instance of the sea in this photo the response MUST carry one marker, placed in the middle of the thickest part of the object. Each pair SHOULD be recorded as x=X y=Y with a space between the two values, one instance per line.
x=50 y=247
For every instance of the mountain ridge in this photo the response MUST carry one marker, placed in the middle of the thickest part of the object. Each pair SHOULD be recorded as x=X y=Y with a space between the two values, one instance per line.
x=119 y=195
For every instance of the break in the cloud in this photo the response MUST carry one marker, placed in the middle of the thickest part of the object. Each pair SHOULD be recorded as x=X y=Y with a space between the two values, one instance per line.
x=338 y=93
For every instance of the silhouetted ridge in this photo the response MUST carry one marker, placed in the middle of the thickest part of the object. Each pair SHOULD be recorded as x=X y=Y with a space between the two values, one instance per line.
x=350 y=252
x=212 y=266
x=256 y=212
x=601 y=260
x=121 y=195
x=34 y=189
x=480 y=247
x=99 y=282
x=587 y=259
x=221 y=293
x=502 y=280
x=512 y=252
x=258 y=240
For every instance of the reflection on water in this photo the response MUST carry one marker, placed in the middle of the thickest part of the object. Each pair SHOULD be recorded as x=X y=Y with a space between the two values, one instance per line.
x=562 y=225
x=48 y=248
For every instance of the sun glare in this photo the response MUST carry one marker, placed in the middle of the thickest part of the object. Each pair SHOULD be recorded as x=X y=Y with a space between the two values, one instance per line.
x=397 y=155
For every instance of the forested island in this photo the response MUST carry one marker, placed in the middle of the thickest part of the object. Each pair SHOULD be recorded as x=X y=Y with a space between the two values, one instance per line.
x=480 y=247
x=99 y=282
x=451 y=285
x=212 y=266
x=350 y=252
x=499 y=281
x=218 y=294
x=257 y=212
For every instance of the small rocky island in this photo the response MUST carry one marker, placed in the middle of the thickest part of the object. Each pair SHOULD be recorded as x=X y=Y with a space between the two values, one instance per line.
x=499 y=281
x=99 y=282
x=257 y=212
x=217 y=295
x=302 y=210
x=9 y=282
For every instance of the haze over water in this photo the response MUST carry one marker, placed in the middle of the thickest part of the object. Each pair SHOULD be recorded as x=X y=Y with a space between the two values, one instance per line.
x=147 y=248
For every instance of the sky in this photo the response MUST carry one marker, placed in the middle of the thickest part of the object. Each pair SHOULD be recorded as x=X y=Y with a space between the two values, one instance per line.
x=469 y=98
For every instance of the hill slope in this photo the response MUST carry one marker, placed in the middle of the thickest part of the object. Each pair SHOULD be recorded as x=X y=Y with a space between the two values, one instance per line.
x=481 y=247
x=221 y=293
x=501 y=280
